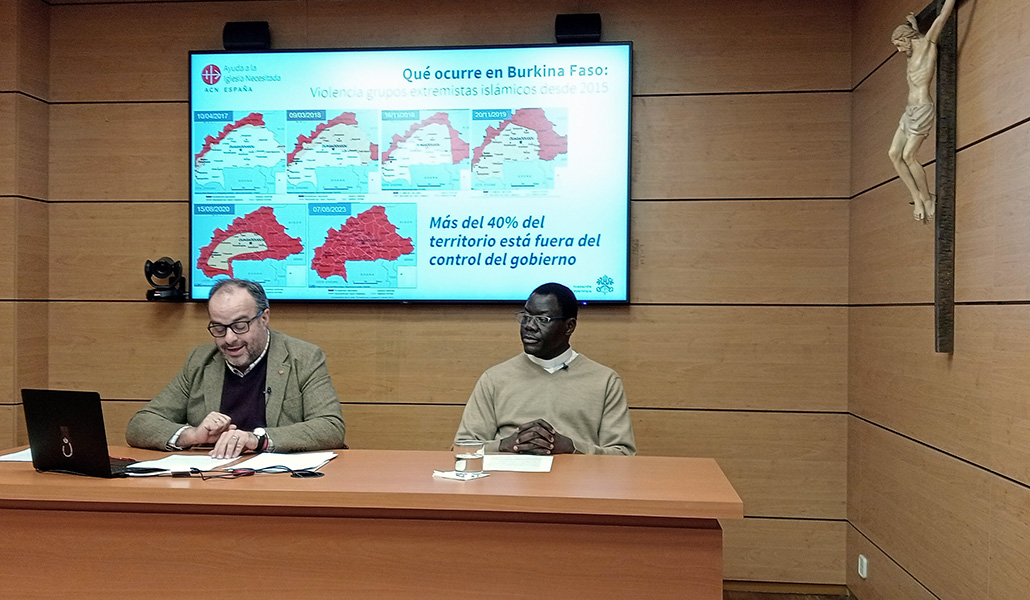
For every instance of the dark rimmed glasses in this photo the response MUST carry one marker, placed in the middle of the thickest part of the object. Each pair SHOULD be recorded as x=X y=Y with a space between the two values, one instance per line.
x=238 y=327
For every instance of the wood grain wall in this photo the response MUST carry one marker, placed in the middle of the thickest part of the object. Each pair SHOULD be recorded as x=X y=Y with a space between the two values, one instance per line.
x=24 y=238
x=735 y=345
x=939 y=445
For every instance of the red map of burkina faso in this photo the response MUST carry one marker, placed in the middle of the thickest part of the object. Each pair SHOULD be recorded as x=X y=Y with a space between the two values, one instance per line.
x=459 y=148
x=347 y=118
x=255 y=119
x=551 y=144
x=368 y=236
x=256 y=236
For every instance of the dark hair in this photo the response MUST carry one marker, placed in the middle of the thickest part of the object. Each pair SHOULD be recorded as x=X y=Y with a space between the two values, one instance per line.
x=253 y=288
x=566 y=299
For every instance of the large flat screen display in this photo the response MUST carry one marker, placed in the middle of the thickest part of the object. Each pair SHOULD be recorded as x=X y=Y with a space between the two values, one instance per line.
x=444 y=174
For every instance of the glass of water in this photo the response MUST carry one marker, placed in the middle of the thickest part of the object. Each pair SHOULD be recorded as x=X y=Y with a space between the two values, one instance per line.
x=468 y=456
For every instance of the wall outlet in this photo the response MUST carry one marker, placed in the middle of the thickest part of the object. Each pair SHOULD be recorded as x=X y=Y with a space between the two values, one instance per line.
x=863 y=566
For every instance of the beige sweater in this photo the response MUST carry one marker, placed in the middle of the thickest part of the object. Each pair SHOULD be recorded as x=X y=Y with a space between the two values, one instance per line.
x=584 y=401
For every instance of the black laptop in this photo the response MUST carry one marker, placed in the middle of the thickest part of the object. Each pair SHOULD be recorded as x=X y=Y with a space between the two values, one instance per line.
x=67 y=435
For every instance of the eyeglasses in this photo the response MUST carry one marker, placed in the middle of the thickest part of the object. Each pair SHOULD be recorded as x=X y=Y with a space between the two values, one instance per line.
x=239 y=327
x=524 y=318
x=236 y=473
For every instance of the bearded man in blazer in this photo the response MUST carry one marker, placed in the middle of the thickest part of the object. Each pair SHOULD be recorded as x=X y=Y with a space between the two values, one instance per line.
x=252 y=390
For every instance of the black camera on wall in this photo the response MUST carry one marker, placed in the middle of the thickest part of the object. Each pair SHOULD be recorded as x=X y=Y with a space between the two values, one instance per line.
x=171 y=285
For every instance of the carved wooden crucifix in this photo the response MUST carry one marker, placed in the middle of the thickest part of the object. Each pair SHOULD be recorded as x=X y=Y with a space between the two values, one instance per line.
x=944 y=211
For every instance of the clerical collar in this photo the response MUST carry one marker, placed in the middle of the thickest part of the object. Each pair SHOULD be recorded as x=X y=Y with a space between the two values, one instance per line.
x=557 y=363
x=240 y=373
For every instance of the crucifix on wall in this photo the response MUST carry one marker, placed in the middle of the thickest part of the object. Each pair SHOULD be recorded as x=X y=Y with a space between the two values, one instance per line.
x=929 y=54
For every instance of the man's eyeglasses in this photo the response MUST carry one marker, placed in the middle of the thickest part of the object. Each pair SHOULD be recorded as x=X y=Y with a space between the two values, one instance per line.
x=238 y=327
x=524 y=318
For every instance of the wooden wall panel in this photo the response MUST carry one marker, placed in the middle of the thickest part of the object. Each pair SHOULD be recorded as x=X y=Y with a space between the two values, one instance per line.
x=31 y=274
x=8 y=144
x=32 y=330
x=886 y=579
x=32 y=150
x=992 y=223
x=8 y=350
x=891 y=257
x=32 y=62
x=763 y=358
x=439 y=23
x=91 y=157
x=684 y=50
x=876 y=107
x=743 y=146
x=22 y=363
x=401 y=427
x=786 y=465
x=972 y=404
x=122 y=350
x=98 y=249
x=116 y=53
x=9 y=418
x=784 y=550
x=927 y=511
x=8 y=438
x=792 y=252
x=956 y=528
x=1008 y=411
x=8 y=245
x=24 y=46
x=993 y=67
x=8 y=46
x=872 y=22
x=766 y=358
x=1010 y=541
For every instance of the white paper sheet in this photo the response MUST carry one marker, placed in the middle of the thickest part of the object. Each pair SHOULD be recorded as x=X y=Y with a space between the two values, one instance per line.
x=303 y=461
x=19 y=456
x=524 y=463
x=179 y=463
x=455 y=475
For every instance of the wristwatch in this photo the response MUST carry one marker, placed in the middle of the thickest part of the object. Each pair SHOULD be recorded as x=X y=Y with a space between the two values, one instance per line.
x=262 y=439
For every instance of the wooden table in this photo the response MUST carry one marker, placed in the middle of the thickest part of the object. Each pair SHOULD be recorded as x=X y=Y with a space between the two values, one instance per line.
x=377 y=525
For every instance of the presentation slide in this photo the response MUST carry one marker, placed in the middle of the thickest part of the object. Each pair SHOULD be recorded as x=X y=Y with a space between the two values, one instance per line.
x=457 y=174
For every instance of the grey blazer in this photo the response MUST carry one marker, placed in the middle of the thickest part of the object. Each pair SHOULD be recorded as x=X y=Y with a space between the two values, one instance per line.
x=302 y=411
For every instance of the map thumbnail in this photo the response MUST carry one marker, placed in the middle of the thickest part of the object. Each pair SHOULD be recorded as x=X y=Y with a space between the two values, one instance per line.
x=427 y=154
x=368 y=248
x=333 y=156
x=244 y=156
x=521 y=151
x=255 y=241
